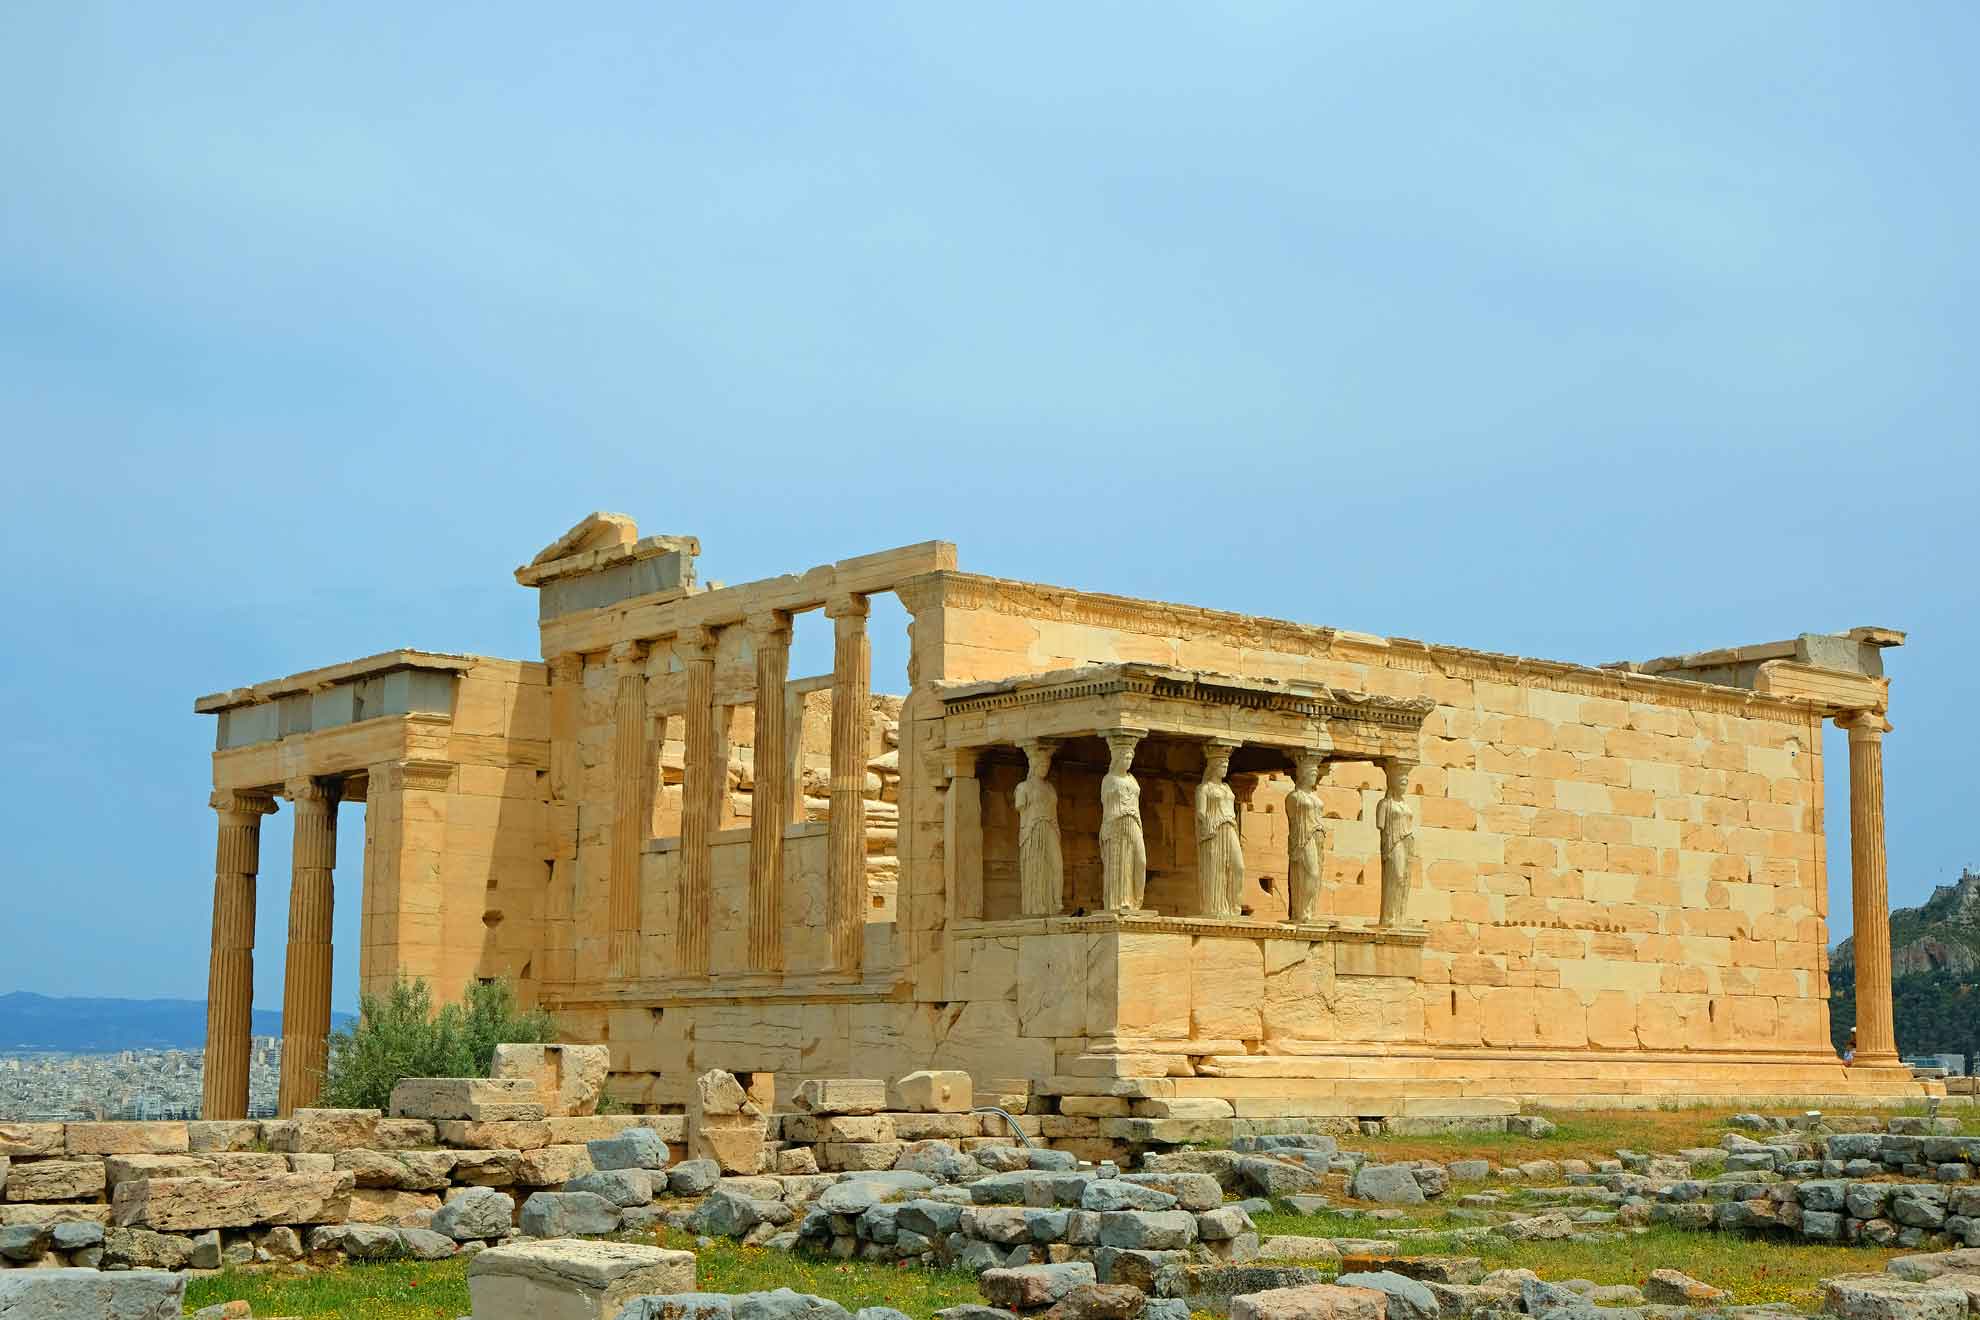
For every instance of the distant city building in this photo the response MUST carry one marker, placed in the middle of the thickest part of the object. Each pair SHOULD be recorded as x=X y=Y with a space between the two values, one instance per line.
x=53 y=1086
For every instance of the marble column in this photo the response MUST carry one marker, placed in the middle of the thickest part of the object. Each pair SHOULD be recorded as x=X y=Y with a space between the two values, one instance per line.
x=1876 y=1041
x=852 y=676
x=631 y=808
x=769 y=806
x=699 y=773
x=306 y=978
x=230 y=972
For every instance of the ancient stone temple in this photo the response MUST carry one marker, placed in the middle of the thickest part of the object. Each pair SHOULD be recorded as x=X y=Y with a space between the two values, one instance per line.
x=1096 y=847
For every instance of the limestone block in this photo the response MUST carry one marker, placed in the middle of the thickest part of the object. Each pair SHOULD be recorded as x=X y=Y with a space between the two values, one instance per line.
x=12 y=1216
x=1226 y=988
x=551 y=1166
x=563 y=1279
x=223 y=1134
x=1051 y=985
x=324 y=1131
x=56 y=1180
x=487 y=1168
x=932 y=1092
x=1318 y=1301
x=310 y=1162
x=406 y=1134
x=5 y=1164
x=1185 y=1107
x=737 y=1150
x=569 y=1078
x=500 y=1134
x=86 y=1294
x=718 y=1094
x=568 y=1214
x=935 y=1127
x=484 y=1099
x=811 y=1129
x=406 y=1171
x=124 y=1168
x=31 y=1140
x=840 y=1095
x=197 y=1204
x=378 y=1205
x=476 y=1214
x=635 y=1148
x=126 y=1138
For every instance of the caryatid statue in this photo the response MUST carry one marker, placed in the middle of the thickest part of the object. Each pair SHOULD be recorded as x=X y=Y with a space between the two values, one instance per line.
x=1041 y=865
x=1306 y=839
x=1396 y=819
x=1219 y=852
x=1123 y=850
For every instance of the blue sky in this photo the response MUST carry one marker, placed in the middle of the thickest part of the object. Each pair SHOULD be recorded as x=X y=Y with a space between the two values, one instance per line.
x=1582 y=331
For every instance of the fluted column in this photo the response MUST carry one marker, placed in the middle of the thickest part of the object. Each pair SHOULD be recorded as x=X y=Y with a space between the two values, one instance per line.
x=852 y=676
x=306 y=983
x=1876 y=1041
x=696 y=649
x=769 y=806
x=230 y=972
x=631 y=808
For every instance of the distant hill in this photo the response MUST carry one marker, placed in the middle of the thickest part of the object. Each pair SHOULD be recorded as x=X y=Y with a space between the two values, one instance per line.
x=1941 y=936
x=1935 y=975
x=99 y=1026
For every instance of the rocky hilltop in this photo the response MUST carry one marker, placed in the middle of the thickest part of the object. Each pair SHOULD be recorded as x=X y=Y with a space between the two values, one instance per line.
x=1941 y=936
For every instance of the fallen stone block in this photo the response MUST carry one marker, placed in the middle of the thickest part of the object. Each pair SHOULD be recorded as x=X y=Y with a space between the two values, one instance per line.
x=1930 y=1265
x=839 y=1095
x=568 y=1214
x=1408 y=1299
x=209 y=1135
x=571 y=1279
x=201 y=1203
x=1669 y=1287
x=935 y=1092
x=406 y=1171
x=31 y=1140
x=323 y=1131
x=476 y=1214
x=1317 y=1301
x=84 y=1294
x=56 y=1180
x=487 y=1168
x=635 y=1148
x=622 y=1187
x=1386 y=1184
x=493 y=1134
x=143 y=1249
x=569 y=1079
x=379 y=1205
x=358 y=1241
x=1887 y=1297
x=126 y=1139
x=693 y=1177
x=1030 y=1287
x=129 y=1168
x=484 y=1099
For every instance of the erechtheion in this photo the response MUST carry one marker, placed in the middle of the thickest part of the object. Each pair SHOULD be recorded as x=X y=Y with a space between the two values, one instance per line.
x=1100 y=846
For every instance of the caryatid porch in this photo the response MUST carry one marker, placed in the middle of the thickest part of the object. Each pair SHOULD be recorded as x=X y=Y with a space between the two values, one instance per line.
x=1214 y=734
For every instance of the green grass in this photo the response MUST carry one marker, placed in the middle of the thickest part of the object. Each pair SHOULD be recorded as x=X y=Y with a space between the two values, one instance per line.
x=418 y=1290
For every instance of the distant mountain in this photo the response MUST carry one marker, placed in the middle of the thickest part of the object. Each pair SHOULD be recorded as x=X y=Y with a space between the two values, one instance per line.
x=98 y=1026
x=1941 y=936
x=1935 y=975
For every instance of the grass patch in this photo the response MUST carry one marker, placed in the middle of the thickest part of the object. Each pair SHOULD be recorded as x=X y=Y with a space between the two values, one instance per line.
x=395 y=1290
x=437 y=1290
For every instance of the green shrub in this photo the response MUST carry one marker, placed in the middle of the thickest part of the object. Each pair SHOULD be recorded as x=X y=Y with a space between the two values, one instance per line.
x=399 y=1035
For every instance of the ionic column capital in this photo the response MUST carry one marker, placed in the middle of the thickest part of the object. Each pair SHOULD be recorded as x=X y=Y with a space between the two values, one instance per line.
x=310 y=789
x=846 y=606
x=695 y=645
x=770 y=629
x=237 y=803
x=629 y=658
x=1864 y=725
